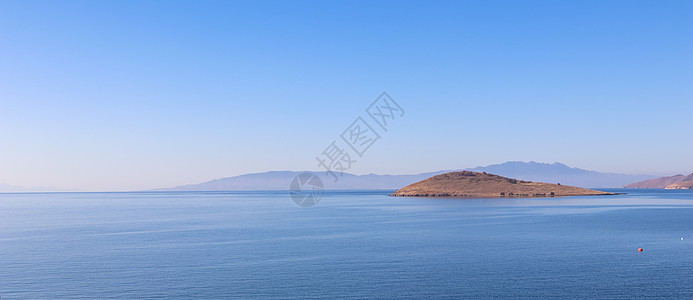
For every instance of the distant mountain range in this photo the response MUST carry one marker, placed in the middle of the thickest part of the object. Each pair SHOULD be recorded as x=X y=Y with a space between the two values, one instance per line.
x=672 y=182
x=532 y=171
x=6 y=188
x=560 y=173
x=280 y=180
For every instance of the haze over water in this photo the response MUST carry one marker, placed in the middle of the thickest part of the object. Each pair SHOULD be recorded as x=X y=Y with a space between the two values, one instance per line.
x=102 y=98
x=354 y=244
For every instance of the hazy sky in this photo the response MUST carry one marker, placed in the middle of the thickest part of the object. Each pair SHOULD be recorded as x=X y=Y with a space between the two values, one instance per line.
x=117 y=95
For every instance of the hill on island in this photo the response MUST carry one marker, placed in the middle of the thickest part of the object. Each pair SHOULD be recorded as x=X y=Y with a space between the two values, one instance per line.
x=467 y=184
x=661 y=182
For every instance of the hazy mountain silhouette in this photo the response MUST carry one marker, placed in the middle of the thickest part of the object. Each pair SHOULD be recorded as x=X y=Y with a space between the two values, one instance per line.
x=560 y=173
x=532 y=171
x=280 y=180
x=6 y=188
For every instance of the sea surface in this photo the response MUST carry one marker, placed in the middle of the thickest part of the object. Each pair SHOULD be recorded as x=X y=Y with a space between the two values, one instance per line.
x=353 y=244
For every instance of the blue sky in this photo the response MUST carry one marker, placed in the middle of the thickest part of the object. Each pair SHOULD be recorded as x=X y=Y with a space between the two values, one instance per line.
x=118 y=95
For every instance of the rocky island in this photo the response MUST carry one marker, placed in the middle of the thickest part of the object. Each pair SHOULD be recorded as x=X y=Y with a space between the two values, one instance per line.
x=467 y=184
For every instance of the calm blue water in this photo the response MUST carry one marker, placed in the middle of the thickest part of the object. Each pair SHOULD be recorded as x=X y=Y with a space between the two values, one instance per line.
x=352 y=245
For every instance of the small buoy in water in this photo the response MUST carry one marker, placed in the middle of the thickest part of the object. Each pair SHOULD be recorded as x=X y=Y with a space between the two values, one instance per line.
x=639 y=249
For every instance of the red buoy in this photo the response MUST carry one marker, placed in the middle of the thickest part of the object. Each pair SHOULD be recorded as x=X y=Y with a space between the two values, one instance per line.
x=639 y=249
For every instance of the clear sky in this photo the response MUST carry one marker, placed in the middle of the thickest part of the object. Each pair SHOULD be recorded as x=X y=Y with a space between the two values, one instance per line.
x=118 y=95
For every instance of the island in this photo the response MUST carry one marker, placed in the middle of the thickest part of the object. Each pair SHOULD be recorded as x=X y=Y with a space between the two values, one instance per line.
x=467 y=184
